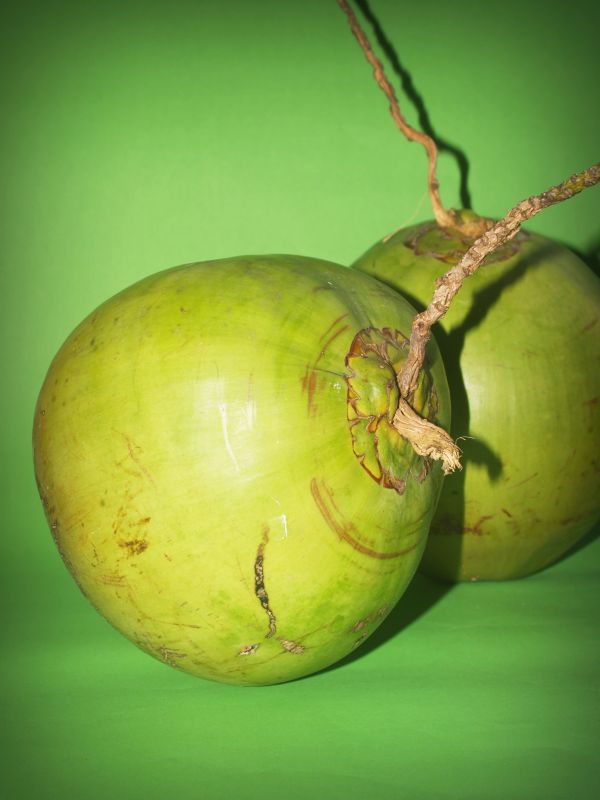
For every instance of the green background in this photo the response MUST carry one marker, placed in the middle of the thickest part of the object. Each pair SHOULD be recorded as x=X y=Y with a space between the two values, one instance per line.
x=141 y=135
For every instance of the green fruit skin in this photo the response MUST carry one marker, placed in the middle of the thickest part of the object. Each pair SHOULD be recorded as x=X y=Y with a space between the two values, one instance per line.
x=193 y=454
x=521 y=348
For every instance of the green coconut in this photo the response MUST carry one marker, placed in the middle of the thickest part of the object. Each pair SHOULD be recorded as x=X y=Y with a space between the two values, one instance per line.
x=522 y=352
x=216 y=455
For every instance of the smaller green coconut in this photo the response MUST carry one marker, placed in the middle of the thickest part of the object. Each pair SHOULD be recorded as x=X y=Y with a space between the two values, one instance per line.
x=522 y=352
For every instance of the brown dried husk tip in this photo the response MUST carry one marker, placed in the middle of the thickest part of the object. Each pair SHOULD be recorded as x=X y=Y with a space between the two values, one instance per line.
x=427 y=439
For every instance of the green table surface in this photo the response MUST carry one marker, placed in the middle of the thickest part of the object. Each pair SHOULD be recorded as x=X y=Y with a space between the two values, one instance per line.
x=140 y=134
x=475 y=691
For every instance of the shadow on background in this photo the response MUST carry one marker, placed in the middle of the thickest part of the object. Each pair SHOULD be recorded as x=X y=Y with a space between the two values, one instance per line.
x=415 y=98
x=592 y=257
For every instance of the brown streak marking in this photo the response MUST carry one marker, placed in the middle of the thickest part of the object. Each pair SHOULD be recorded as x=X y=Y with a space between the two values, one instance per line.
x=343 y=531
x=130 y=447
x=177 y=624
x=476 y=529
x=309 y=385
x=112 y=579
x=590 y=325
x=144 y=615
x=569 y=520
x=504 y=511
x=514 y=486
x=312 y=385
x=332 y=326
x=314 y=630
x=330 y=341
x=243 y=577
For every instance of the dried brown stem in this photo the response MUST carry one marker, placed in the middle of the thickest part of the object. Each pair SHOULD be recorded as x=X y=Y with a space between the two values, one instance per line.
x=446 y=218
x=427 y=439
x=448 y=285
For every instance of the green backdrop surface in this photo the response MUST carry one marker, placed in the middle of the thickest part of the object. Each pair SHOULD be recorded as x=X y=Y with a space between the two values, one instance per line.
x=140 y=135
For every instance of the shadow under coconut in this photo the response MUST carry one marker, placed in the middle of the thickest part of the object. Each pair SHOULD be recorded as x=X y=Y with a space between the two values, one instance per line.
x=411 y=92
x=421 y=595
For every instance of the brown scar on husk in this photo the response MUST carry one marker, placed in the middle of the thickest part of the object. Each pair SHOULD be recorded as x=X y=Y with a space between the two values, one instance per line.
x=259 y=583
x=343 y=527
x=134 y=547
x=169 y=655
x=372 y=617
x=249 y=650
x=292 y=647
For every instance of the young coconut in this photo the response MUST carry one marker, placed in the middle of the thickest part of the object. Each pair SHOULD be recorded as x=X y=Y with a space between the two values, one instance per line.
x=219 y=456
x=522 y=353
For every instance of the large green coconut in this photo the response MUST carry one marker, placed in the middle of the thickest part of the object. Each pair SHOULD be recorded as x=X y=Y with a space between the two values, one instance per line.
x=521 y=347
x=215 y=453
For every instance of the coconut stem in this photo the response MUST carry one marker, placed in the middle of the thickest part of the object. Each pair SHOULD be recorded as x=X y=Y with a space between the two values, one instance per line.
x=427 y=439
x=448 y=285
x=446 y=218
